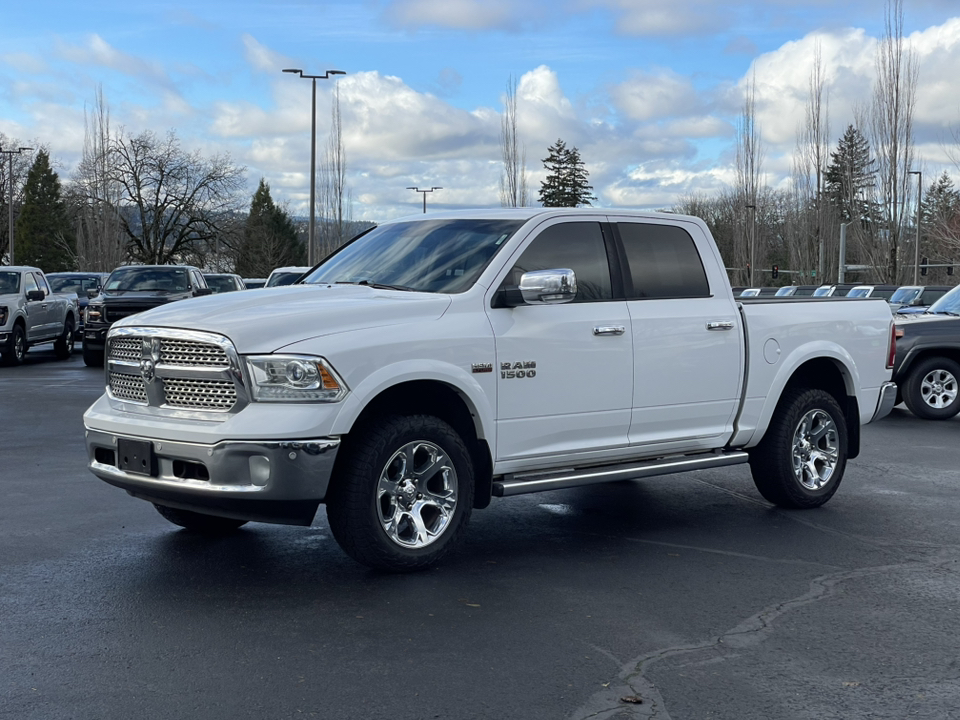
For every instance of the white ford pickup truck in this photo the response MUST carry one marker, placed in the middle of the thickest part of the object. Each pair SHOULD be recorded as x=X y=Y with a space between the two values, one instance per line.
x=437 y=361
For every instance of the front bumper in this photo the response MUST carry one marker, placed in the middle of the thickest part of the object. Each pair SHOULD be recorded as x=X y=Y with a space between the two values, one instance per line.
x=888 y=398
x=279 y=481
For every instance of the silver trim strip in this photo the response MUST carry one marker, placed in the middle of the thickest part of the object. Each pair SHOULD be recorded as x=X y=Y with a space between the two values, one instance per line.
x=520 y=484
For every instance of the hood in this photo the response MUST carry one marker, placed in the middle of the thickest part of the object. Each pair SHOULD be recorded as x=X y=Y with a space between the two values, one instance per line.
x=920 y=318
x=265 y=320
x=139 y=297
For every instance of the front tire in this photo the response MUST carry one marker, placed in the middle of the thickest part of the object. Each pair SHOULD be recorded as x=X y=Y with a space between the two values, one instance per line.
x=63 y=345
x=16 y=349
x=801 y=459
x=402 y=498
x=92 y=357
x=198 y=522
x=931 y=391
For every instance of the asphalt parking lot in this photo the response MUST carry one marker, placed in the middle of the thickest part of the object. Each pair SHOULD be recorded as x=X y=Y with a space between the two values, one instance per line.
x=689 y=594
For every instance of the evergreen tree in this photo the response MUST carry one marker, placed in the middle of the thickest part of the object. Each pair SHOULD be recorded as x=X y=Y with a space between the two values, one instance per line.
x=851 y=177
x=270 y=237
x=43 y=234
x=566 y=182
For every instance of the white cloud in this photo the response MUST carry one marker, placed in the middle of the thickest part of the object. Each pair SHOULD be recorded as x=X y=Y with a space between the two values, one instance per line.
x=656 y=17
x=655 y=95
x=460 y=14
x=98 y=52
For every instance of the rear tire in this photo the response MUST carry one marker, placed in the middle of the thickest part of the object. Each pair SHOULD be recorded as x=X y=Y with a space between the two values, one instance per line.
x=92 y=357
x=403 y=494
x=63 y=345
x=931 y=391
x=801 y=459
x=198 y=522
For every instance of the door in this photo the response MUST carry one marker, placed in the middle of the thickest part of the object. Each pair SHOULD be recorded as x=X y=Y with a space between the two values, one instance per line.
x=565 y=371
x=688 y=344
x=37 y=313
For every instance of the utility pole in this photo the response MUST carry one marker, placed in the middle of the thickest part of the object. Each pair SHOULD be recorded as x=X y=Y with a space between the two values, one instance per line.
x=916 y=249
x=11 y=153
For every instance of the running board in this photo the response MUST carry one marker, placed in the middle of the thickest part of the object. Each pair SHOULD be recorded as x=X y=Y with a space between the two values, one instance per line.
x=520 y=483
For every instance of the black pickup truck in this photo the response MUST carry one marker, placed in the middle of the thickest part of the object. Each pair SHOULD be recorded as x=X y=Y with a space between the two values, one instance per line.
x=132 y=289
x=927 y=364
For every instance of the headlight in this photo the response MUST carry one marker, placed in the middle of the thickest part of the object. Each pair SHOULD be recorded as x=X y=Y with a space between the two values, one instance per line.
x=294 y=378
x=3 y=316
x=92 y=312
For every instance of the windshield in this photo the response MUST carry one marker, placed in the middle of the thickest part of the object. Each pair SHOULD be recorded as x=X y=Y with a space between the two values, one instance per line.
x=139 y=278
x=949 y=303
x=221 y=283
x=284 y=278
x=437 y=256
x=78 y=284
x=750 y=292
x=786 y=291
x=905 y=294
x=859 y=292
x=9 y=282
x=823 y=291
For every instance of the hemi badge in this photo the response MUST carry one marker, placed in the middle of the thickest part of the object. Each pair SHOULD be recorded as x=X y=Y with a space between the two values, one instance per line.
x=482 y=367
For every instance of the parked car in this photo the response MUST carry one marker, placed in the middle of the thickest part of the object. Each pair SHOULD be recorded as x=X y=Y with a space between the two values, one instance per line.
x=917 y=296
x=927 y=364
x=32 y=314
x=224 y=282
x=254 y=283
x=880 y=291
x=81 y=283
x=440 y=360
x=796 y=290
x=130 y=290
x=285 y=276
x=750 y=292
x=836 y=290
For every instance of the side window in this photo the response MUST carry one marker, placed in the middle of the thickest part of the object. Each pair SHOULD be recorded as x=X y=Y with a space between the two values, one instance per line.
x=663 y=261
x=29 y=283
x=198 y=280
x=578 y=246
x=42 y=282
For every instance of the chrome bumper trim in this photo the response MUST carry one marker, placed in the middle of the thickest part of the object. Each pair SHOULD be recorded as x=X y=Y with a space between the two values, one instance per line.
x=888 y=397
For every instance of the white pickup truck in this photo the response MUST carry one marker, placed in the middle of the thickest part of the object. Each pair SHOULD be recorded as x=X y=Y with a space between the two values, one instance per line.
x=32 y=314
x=436 y=361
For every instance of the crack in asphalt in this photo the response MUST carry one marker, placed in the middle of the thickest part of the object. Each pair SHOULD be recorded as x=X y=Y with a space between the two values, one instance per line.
x=632 y=679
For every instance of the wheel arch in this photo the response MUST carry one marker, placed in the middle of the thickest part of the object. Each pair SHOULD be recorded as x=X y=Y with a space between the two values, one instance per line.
x=920 y=354
x=440 y=399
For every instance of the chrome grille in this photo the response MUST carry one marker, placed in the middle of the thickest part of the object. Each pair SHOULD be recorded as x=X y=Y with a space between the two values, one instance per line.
x=190 y=352
x=127 y=349
x=199 y=394
x=128 y=387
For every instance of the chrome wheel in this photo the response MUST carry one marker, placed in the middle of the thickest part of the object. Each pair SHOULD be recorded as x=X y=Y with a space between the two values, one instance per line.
x=417 y=494
x=816 y=446
x=938 y=389
x=19 y=346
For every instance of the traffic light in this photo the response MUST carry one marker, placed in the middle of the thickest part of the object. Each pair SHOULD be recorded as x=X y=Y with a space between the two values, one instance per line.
x=776 y=272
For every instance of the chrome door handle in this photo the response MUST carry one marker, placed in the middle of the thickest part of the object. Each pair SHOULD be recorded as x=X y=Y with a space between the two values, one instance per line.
x=720 y=325
x=609 y=330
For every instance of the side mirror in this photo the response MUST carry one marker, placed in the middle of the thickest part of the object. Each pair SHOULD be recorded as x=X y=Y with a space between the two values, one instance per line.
x=92 y=293
x=200 y=292
x=548 y=287
x=35 y=295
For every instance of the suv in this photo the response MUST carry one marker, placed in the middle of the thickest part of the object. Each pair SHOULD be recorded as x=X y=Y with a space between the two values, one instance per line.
x=132 y=289
x=224 y=282
x=286 y=275
x=917 y=297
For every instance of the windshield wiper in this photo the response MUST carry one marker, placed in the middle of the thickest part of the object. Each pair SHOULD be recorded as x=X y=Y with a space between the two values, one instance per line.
x=378 y=286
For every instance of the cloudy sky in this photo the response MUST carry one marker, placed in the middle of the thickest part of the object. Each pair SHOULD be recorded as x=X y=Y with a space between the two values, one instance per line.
x=648 y=90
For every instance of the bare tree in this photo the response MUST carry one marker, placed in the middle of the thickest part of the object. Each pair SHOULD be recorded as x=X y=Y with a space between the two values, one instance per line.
x=95 y=194
x=21 y=167
x=513 y=175
x=174 y=201
x=807 y=228
x=890 y=124
x=748 y=249
x=333 y=198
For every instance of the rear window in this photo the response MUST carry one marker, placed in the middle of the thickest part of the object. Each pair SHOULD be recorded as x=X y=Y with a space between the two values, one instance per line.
x=663 y=262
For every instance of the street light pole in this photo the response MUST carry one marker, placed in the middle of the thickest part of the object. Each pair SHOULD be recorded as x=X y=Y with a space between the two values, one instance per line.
x=11 y=153
x=416 y=189
x=916 y=249
x=313 y=153
x=753 y=242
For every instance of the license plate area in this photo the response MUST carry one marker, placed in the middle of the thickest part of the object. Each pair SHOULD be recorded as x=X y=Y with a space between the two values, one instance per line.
x=136 y=456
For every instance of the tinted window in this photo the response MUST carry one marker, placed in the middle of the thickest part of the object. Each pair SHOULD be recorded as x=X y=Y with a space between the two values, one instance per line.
x=577 y=246
x=140 y=278
x=663 y=261
x=78 y=284
x=283 y=278
x=42 y=282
